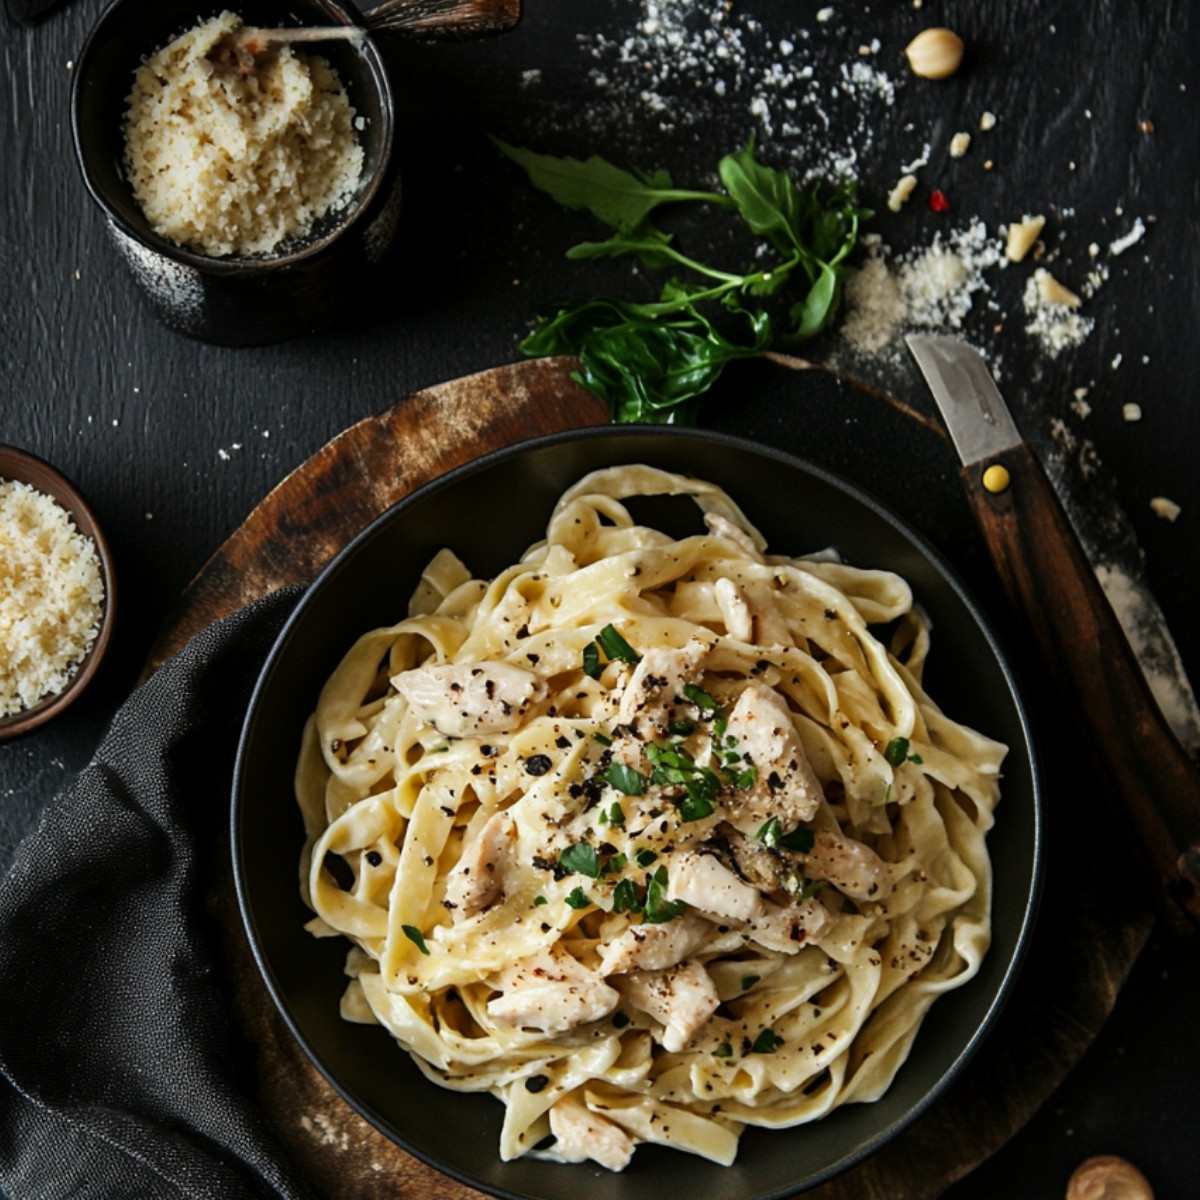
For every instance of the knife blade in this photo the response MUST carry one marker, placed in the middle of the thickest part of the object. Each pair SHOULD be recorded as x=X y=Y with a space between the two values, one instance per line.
x=1049 y=581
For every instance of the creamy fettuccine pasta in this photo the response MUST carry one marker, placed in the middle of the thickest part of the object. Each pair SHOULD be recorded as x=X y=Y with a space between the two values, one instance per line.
x=652 y=839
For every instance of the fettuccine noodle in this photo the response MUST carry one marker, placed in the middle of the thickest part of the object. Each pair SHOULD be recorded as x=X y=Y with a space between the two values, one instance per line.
x=652 y=839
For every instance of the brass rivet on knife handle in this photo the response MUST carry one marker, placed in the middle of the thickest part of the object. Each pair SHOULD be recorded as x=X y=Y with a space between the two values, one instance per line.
x=1048 y=579
x=996 y=478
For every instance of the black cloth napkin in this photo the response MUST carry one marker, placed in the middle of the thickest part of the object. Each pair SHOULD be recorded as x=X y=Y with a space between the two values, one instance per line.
x=121 y=1074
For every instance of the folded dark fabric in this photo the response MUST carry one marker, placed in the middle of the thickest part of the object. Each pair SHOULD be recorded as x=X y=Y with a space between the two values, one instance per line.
x=120 y=1068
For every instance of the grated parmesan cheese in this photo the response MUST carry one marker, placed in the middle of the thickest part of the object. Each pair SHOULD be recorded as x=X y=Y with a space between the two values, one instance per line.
x=929 y=288
x=51 y=597
x=232 y=165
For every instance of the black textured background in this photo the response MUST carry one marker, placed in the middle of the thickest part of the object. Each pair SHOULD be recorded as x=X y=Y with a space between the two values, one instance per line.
x=175 y=441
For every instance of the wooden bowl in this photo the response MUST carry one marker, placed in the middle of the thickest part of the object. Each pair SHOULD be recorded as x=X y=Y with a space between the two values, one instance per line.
x=27 y=468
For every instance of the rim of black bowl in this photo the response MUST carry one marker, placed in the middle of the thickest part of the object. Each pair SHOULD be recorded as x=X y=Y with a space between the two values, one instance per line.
x=232 y=264
x=24 y=467
x=1011 y=968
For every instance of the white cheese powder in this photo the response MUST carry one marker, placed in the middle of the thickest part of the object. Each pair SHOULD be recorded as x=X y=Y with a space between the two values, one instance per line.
x=51 y=597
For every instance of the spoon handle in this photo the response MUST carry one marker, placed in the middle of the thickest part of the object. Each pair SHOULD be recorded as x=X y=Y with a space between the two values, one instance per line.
x=449 y=19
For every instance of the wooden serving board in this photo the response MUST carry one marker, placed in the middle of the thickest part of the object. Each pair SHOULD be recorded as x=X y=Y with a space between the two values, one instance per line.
x=1087 y=938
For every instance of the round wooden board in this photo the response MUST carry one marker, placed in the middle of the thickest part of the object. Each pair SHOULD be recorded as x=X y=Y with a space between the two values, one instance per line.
x=1089 y=931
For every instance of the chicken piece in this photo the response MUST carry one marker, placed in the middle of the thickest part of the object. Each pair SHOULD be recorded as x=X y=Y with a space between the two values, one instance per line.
x=550 y=991
x=789 y=928
x=852 y=867
x=582 y=1134
x=735 y=610
x=655 y=947
x=471 y=699
x=786 y=786
x=681 y=998
x=706 y=883
x=655 y=688
x=478 y=878
x=723 y=527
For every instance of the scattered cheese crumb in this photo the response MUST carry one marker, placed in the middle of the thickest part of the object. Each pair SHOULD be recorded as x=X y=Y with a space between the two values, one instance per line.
x=987 y=121
x=1123 y=243
x=1021 y=236
x=1117 y=360
x=1050 y=291
x=959 y=144
x=824 y=14
x=1055 y=325
x=51 y=597
x=1079 y=406
x=1167 y=509
x=1132 y=412
x=901 y=192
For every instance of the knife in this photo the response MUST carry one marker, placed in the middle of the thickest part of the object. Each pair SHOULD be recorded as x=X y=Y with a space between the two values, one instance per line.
x=1051 y=584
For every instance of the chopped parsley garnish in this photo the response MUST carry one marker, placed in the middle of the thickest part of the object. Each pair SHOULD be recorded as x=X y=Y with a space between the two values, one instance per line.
x=700 y=698
x=624 y=779
x=674 y=767
x=748 y=981
x=602 y=738
x=616 y=814
x=538 y=900
x=591 y=661
x=579 y=899
x=625 y=897
x=616 y=647
x=897 y=752
x=771 y=834
x=620 y=1020
x=694 y=808
x=615 y=865
x=660 y=910
x=724 y=1050
x=580 y=859
x=800 y=840
x=684 y=727
x=646 y=857
x=415 y=936
x=767 y=1042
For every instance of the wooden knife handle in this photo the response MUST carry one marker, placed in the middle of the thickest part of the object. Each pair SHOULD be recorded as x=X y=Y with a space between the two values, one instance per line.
x=1051 y=583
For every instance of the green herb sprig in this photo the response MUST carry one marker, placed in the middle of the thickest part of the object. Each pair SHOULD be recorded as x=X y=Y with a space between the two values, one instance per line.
x=650 y=362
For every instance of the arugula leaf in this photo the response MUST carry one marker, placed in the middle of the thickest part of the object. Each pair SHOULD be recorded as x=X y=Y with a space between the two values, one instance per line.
x=767 y=200
x=618 y=198
x=650 y=362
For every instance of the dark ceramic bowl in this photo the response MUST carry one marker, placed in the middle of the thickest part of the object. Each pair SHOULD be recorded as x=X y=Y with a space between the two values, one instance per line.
x=27 y=468
x=489 y=512
x=237 y=301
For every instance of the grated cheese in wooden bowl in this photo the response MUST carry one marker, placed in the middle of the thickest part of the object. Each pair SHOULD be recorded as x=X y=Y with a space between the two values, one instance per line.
x=51 y=597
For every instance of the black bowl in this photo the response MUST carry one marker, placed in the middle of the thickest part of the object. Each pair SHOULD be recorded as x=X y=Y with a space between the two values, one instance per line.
x=237 y=301
x=489 y=512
